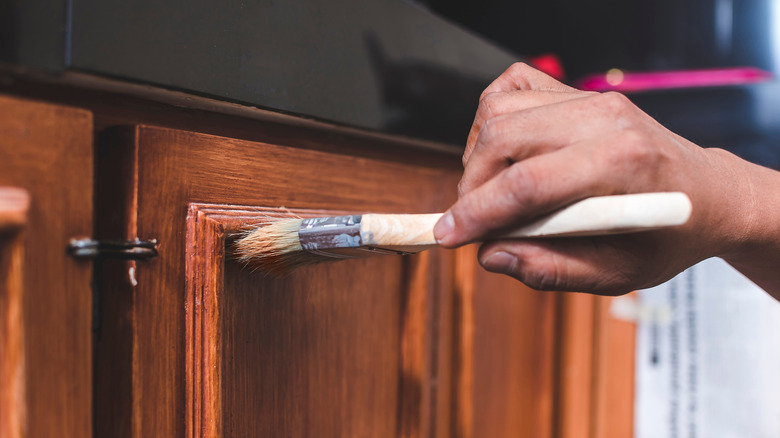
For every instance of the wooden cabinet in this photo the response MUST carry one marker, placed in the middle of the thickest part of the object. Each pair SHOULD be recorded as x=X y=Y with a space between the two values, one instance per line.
x=14 y=204
x=190 y=343
x=342 y=349
x=361 y=347
x=45 y=296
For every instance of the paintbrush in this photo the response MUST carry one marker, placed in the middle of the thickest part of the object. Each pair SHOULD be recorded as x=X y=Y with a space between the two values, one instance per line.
x=288 y=243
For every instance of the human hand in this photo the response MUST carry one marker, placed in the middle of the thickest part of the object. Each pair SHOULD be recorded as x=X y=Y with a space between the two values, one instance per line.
x=537 y=145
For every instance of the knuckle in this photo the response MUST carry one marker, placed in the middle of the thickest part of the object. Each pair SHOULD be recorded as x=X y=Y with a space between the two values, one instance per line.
x=519 y=72
x=488 y=106
x=518 y=68
x=489 y=132
x=521 y=187
x=614 y=103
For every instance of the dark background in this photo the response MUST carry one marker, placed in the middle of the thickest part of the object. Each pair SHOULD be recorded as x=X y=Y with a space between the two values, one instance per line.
x=651 y=35
x=596 y=35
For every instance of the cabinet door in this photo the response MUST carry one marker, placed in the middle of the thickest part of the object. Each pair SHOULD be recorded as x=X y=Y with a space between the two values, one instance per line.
x=46 y=150
x=14 y=203
x=195 y=344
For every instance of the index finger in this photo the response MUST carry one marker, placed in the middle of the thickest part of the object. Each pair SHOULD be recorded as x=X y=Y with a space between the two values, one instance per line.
x=521 y=76
x=530 y=188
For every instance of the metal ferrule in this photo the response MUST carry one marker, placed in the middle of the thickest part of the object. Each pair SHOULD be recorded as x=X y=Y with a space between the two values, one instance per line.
x=337 y=237
x=325 y=233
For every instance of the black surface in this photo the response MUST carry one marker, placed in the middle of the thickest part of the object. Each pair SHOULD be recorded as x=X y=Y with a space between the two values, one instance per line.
x=33 y=33
x=596 y=35
x=384 y=65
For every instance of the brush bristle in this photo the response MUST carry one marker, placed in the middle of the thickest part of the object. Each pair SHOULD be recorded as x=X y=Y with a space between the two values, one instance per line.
x=275 y=248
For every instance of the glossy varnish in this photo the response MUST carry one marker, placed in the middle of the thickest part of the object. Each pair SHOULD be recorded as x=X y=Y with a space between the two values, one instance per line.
x=47 y=151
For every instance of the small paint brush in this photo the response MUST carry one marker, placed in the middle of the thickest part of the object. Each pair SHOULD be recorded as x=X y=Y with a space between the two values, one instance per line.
x=286 y=244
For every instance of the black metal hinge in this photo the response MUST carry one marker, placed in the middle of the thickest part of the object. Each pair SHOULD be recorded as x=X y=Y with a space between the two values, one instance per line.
x=115 y=249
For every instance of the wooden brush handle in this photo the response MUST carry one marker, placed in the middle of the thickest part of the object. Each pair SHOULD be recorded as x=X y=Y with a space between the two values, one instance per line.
x=589 y=217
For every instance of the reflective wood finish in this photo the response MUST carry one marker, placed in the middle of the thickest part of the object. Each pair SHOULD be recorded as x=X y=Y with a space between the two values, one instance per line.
x=191 y=344
x=14 y=204
x=344 y=348
x=47 y=151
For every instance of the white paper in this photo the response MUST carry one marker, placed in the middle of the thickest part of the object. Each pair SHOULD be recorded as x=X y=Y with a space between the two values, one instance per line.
x=708 y=357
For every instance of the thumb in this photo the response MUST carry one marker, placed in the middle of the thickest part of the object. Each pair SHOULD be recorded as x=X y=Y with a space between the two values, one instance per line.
x=583 y=264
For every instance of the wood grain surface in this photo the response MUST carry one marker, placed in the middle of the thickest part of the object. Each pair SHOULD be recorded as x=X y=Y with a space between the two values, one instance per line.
x=278 y=356
x=437 y=348
x=429 y=345
x=47 y=151
x=13 y=213
x=614 y=372
x=514 y=358
x=14 y=203
x=355 y=340
x=596 y=375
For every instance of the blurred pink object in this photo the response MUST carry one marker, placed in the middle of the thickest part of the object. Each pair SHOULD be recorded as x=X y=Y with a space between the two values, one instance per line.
x=619 y=80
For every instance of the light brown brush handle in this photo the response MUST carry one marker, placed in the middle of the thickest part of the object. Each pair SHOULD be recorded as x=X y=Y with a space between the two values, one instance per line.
x=590 y=217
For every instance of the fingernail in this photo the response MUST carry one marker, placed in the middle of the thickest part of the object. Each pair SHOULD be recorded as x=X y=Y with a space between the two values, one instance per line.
x=443 y=229
x=499 y=262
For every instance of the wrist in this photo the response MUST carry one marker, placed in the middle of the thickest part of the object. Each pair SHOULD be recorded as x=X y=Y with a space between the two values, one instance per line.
x=751 y=236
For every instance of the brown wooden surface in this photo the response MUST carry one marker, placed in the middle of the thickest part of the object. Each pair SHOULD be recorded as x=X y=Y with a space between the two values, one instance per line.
x=493 y=358
x=462 y=359
x=473 y=354
x=13 y=214
x=47 y=150
x=116 y=199
x=575 y=408
x=241 y=327
x=115 y=102
x=514 y=358
x=346 y=349
x=13 y=404
x=614 y=376
x=596 y=377
x=14 y=203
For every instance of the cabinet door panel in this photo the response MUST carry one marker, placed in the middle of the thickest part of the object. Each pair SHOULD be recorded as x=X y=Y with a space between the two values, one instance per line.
x=333 y=349
x=342 y=349
x=315 y=353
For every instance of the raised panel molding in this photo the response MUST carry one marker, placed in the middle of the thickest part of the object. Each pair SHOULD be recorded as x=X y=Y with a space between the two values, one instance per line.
x=210 y=229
